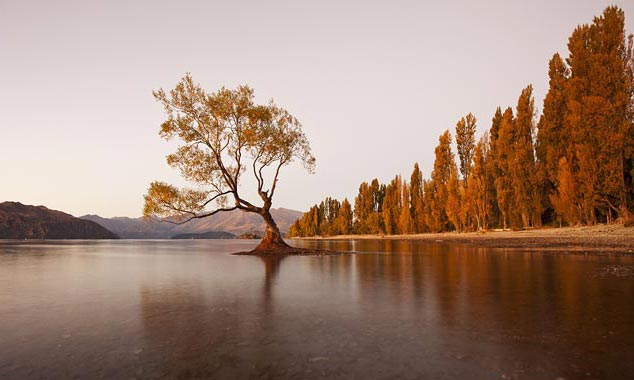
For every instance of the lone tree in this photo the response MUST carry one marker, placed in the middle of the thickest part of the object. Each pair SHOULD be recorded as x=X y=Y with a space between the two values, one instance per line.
x=222 y=136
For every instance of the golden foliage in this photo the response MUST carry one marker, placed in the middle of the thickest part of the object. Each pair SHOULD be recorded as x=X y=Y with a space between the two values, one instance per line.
x=222 y=136
x=579 y=166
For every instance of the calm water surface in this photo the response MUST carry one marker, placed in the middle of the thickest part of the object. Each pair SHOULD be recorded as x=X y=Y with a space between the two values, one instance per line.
x=394 y=310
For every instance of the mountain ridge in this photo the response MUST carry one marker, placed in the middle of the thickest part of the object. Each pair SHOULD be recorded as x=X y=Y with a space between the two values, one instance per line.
x=222 y=235
x=235 y=222
x=20 y=221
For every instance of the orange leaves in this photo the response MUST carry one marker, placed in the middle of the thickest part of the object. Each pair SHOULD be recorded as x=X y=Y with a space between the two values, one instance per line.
x=224 y=135
x=465 y=142
x=444 y=166
x=581 y=163
x=564 y=200
x=165 y=200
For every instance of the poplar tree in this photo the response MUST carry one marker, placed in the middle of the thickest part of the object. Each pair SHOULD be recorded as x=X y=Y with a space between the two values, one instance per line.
x=598 y=116
x=416 y=196
x=454 y=201
x=477 y=191
x=429 y=205
x=521 y=162
x=444 y=164
x=295 y=229
x=504 y=153
x=564 y=199
x=580 y=165
x=493 y=169
x=344 y=219
x=363 y=208
x=465 y=143
x=553 y=140
x=368 y=207
x=392 y=205
x=405 y=224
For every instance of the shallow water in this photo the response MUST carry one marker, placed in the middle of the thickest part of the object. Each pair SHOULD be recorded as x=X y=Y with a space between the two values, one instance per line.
x=394 y=310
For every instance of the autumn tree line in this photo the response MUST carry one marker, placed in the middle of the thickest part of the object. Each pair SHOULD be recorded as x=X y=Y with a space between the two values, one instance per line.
x=574 y=165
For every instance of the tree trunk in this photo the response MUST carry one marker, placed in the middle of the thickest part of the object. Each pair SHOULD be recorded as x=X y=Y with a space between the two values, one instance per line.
x=272 y=240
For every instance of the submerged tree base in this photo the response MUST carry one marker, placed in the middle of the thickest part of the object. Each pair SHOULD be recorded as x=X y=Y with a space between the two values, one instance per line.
x=272 y=245
x=290 y=251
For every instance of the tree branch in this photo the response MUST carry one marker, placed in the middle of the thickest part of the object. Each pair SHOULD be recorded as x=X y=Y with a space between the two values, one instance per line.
x=255 y=173
x=225 y=173
x=198 y=216
x=277 y=172
x=249 y=206
x=215 y=197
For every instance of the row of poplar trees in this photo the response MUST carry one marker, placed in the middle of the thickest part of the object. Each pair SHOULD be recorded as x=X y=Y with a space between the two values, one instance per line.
x=574 y=166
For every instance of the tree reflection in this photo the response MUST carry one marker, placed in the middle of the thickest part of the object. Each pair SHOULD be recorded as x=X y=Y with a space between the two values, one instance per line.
x=271 y=272
x=195 y=330
x=463 y=307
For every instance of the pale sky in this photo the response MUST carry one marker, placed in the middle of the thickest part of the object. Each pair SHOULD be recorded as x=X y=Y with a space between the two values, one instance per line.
x=374 y=84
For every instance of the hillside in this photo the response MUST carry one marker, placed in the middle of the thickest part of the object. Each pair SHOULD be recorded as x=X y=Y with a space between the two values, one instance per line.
x=235 y=222
x=18 y=221
x=205 y=235
x=134 y=228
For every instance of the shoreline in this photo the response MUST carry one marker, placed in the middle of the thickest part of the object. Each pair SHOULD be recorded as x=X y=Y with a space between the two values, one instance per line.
x=611 y=239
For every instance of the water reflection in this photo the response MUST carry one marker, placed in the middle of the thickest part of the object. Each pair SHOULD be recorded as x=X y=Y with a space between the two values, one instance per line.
x=271 y=270
x=194 y=331
x=396 y=309
x=498 y=308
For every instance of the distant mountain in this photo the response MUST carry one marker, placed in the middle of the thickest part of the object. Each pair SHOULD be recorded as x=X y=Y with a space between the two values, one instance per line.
x=235 y=222
x=205 y=235
x=18 y=221
x=134 y=228
x=249 y=235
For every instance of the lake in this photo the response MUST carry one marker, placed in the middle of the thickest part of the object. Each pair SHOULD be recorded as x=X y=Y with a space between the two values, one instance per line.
x=393 y=310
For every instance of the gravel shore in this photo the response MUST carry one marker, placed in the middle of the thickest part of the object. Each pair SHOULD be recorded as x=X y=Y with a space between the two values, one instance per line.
x=610 y=239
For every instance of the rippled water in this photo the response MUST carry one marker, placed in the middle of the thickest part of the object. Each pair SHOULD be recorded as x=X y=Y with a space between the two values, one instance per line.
x=395 y=310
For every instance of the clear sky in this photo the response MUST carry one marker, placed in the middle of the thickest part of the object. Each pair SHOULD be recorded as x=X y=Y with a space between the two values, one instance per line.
x=373 y=82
